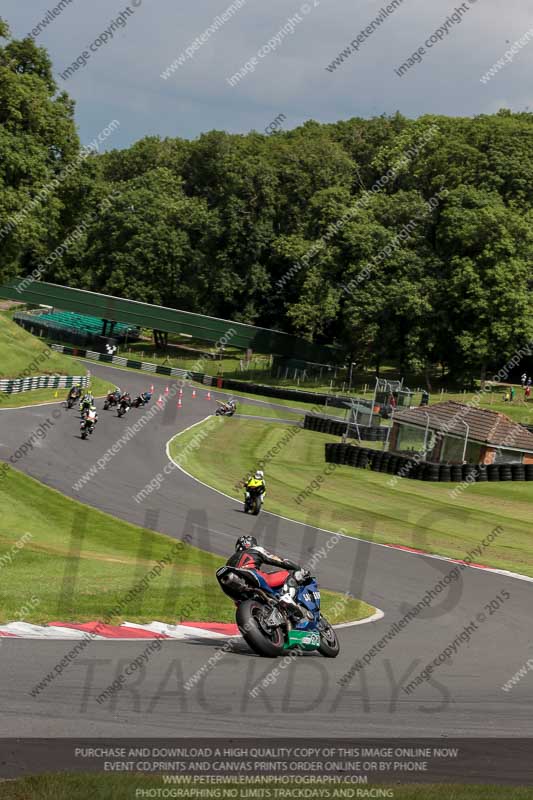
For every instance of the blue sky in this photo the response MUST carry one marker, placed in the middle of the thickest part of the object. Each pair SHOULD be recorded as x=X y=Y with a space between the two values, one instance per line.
x=122 y=78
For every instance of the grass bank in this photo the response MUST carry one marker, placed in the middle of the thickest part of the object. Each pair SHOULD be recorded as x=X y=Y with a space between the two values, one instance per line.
x=21 y=354
x=364 y=503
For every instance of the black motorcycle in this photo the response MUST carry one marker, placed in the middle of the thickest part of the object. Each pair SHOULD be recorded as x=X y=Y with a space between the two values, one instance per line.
x=265 y=621
x=84 y=409
x=86 y=427
x=252 y=500
x=71 y=399
x=111 y=400
x=142 y=400
x=124 y=407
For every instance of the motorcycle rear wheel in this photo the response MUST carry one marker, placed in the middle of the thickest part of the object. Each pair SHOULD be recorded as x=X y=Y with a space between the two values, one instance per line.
x=329 y=643
x=248 y=619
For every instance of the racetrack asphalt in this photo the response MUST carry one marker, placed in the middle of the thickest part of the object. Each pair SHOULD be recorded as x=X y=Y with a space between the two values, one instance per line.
x=463 y=698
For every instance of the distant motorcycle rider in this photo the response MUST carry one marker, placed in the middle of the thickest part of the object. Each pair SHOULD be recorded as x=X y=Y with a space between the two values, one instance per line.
x=249 y=555
x=257 y=482
x=124 y=404
x=75 y=392
x=86 y=402
x=143 y=399
x=227 y=409
x=90 y=420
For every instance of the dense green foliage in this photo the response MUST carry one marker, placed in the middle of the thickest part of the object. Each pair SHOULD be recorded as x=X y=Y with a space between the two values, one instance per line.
x=429 y=266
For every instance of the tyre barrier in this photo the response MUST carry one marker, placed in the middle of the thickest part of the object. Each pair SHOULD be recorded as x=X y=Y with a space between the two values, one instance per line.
x=352 y=457
x=457 y=473
x=392 y=464
x=417 y=471
x=364 y=460
x=481 y=473
x=375 y=462
x=493 y=472
x=336 y=427
x=445 y=475
x=469 y=472
x=384 y=465
x=518 y=472
x=431 y=472
x=405 y=466
x=505 y=472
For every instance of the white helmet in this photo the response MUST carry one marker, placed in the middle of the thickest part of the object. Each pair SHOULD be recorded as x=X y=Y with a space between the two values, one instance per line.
x=259 y=474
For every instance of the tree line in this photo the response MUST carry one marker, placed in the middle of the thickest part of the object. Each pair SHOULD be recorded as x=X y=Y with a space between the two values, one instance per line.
x=405 y=240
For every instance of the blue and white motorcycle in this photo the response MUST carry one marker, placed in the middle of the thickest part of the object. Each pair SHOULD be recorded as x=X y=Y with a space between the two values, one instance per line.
x=268 y=624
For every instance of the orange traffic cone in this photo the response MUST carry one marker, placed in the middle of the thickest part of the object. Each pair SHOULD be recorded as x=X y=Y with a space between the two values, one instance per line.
x=194 y=392
x=180 y=392
x=166 y=389
x=208 y=396
x=152 y=387
x=159 y=402
x=179 y=402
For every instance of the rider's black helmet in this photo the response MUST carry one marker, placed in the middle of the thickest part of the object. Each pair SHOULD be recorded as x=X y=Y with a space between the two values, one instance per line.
x=244 y=542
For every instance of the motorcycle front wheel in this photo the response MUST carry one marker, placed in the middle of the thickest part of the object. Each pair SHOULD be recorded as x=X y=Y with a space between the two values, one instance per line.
x=267 y=643
x=329 y=643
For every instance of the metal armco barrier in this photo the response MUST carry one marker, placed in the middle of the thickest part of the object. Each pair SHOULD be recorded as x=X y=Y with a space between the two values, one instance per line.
x=14 y=385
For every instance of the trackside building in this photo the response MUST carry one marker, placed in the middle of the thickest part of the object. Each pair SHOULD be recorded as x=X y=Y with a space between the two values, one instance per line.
x=453 y=433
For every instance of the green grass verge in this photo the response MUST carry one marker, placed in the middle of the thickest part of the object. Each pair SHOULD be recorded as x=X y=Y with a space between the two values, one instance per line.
x=123 y=787
x=46 y=579
x=20 y=351
x=412 y=513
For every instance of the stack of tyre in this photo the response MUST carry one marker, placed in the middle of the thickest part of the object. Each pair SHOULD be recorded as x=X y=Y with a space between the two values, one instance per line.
x=408 y=467
x=337 y=428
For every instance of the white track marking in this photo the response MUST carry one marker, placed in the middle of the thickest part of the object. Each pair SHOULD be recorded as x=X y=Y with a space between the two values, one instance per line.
x=26 y=630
